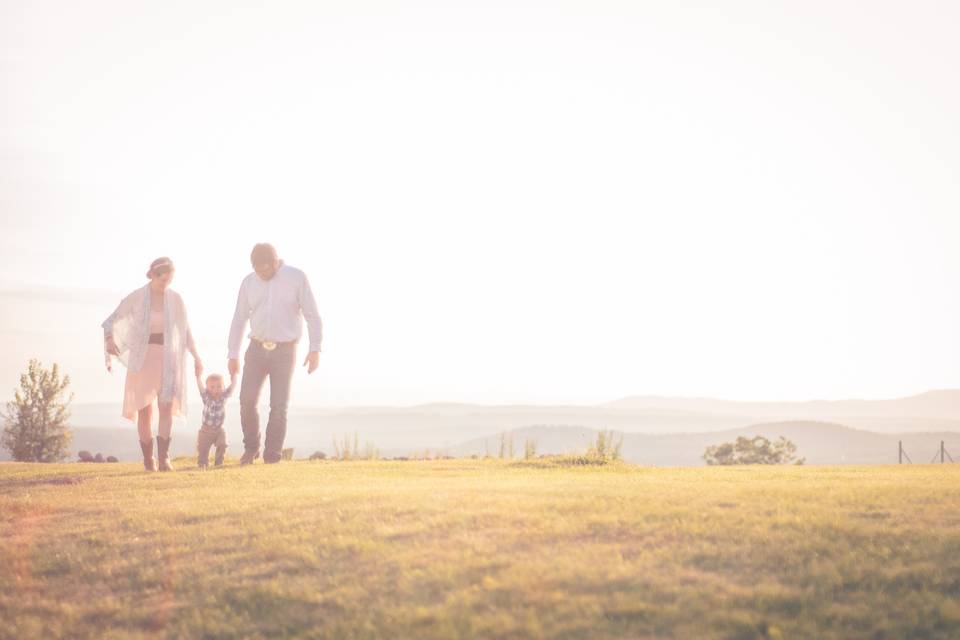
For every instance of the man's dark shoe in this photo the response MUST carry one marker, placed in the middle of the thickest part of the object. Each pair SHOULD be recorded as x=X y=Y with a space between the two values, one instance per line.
x=248 y=457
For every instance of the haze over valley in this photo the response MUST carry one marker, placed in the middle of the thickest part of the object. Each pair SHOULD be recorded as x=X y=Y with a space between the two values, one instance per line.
x=657 y=430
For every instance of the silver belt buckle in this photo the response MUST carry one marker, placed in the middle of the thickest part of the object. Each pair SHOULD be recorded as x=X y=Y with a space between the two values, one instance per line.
x=268 y=345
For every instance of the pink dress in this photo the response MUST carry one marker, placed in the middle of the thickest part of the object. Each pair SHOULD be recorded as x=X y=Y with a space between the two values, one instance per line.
x=143 y=386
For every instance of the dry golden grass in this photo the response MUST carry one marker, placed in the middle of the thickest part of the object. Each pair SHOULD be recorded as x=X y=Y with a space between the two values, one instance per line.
x=485 y=549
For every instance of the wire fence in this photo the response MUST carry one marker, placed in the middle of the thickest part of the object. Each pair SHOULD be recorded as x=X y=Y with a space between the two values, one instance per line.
x=942 y=453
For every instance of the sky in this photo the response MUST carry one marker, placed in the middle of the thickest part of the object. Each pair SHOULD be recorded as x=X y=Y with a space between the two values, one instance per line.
x=497 y=202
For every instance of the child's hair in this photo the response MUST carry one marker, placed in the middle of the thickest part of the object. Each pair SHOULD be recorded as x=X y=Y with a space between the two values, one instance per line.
x=214 y=376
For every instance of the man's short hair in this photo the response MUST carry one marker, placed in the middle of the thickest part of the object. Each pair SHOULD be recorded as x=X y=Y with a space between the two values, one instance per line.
x=262 y=252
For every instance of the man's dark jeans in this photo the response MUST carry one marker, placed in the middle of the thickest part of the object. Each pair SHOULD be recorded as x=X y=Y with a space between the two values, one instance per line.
x=258 y=364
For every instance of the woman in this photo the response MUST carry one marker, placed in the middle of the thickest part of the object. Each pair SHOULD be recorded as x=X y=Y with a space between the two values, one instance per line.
x=150 y=334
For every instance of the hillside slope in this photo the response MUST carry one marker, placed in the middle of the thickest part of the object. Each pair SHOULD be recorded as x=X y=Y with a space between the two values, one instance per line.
x=479 y=549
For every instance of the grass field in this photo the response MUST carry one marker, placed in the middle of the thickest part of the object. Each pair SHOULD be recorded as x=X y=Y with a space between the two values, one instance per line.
x=487 y=549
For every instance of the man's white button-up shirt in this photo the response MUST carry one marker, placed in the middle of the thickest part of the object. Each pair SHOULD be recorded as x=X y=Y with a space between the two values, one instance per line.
x=276 y=309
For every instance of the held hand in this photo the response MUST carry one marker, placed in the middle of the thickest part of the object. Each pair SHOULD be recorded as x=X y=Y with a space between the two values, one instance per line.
x=198 y=366
x=312 y=361
x=233 y=366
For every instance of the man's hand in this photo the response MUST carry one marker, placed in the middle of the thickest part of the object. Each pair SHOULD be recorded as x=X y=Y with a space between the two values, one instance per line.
x=312 y=361
x=233 y=366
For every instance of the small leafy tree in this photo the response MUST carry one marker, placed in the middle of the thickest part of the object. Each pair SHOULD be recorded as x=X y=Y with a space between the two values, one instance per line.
x=341 y=449
x=349 y=449
x=506 y=445
x=756 y=450
x=529 y=449
x=607 y=446
x=35 y=423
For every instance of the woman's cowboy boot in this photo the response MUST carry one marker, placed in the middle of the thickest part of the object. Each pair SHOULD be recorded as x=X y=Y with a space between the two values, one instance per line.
x=163 y=454
x=147 y=449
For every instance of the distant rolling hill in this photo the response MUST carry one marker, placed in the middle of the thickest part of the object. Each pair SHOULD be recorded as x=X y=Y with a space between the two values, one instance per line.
x=671 y=426
x=941 y=404
x=818 y=442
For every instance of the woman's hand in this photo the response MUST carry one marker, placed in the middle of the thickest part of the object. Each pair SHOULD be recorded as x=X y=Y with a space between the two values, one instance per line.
x=111 y=347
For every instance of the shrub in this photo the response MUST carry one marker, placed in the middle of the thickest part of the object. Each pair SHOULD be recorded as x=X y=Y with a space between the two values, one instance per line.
x=756 y=450
x=575 y=460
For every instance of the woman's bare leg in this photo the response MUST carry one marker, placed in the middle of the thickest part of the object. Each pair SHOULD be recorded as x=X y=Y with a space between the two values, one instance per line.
x=143 y=423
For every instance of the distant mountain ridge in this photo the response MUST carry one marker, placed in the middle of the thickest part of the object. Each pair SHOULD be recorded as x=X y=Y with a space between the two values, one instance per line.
x=818 y=442
x=448 y=425
x=937 y=404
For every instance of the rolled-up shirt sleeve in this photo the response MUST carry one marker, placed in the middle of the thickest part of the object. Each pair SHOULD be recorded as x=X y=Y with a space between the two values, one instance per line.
x=308 y=307
x=240 y=316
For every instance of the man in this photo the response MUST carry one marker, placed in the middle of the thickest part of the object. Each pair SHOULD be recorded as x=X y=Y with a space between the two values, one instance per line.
x=273 y=298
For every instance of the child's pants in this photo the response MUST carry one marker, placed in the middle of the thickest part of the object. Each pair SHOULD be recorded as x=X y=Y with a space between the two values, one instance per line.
x=206 y=438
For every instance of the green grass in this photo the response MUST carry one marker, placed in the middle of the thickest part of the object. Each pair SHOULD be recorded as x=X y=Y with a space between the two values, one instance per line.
x=483 y=549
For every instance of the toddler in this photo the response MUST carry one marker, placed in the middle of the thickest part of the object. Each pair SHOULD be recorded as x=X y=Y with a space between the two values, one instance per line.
x=211 y=432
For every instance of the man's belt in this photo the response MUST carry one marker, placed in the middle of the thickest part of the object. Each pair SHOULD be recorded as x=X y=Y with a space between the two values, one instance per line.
x=269 y=345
